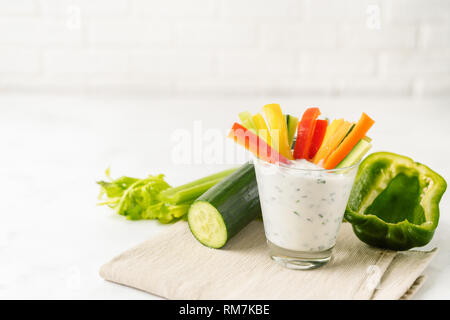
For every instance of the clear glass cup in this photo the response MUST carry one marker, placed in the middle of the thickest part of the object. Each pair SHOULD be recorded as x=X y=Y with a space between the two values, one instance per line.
x=302 y=211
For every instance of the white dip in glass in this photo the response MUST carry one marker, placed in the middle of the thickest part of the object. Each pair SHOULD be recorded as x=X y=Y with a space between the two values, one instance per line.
x=303 y=206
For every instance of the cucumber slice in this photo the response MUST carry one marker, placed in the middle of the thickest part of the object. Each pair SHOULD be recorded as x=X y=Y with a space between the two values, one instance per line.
x=356 y=155
x=225 y=209
x=207 y=225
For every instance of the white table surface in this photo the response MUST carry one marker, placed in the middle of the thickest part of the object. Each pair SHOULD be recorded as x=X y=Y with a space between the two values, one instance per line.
x=53 y=237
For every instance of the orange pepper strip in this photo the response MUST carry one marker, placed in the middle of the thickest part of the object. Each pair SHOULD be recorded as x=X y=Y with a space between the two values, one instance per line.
x=255 y=144
x=337 y=139
x=331 y=130
x=358 y=133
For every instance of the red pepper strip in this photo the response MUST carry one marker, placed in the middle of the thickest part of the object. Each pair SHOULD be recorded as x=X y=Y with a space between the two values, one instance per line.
x=255 y=144
x=305 y=132
x=319 y=135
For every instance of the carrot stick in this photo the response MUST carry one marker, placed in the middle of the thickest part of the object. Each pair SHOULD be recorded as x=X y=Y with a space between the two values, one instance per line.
x=358 y=133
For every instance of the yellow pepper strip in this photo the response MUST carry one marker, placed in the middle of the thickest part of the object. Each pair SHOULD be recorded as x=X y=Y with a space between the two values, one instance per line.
x=278 y=130
x=261 y=127
x=331 y=130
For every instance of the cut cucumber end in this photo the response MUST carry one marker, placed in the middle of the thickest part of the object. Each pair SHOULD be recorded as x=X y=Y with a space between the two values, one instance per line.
x=207 y=225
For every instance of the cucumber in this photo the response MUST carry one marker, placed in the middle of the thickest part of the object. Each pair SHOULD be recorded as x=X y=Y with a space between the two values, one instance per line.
x=292 y=123
x=357 y=153
x=225 y=209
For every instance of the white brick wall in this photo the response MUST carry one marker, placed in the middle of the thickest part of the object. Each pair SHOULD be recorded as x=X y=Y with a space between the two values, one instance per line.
x=419 y=10
x=338 y=62
x=22 y=7
x=173 y=8
x=250 y=9
x=91 y=8
x=173 y=64
x=18 y=61
x=129 y=32
x=70 y=61
x=337 y=11
x=295 y=35
x=225 y=47
x=257 y=62
x=227 y=34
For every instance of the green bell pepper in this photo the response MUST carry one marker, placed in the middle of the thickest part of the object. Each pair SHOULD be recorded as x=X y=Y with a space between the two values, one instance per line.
x=394 y=203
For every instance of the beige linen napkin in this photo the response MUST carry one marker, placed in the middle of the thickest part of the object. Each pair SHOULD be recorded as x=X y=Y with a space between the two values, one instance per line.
x=175 y=266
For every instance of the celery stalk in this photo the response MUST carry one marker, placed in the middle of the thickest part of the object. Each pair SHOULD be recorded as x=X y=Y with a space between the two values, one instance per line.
x=248 y=126
x=153 y=198
x=190 y=191
x=247 y=118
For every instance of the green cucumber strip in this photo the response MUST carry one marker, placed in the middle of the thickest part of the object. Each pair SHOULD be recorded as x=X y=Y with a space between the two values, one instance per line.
x=291 y=123
x=225 y=209
x=247 y=118
x=191 y=191
x=356 y=155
